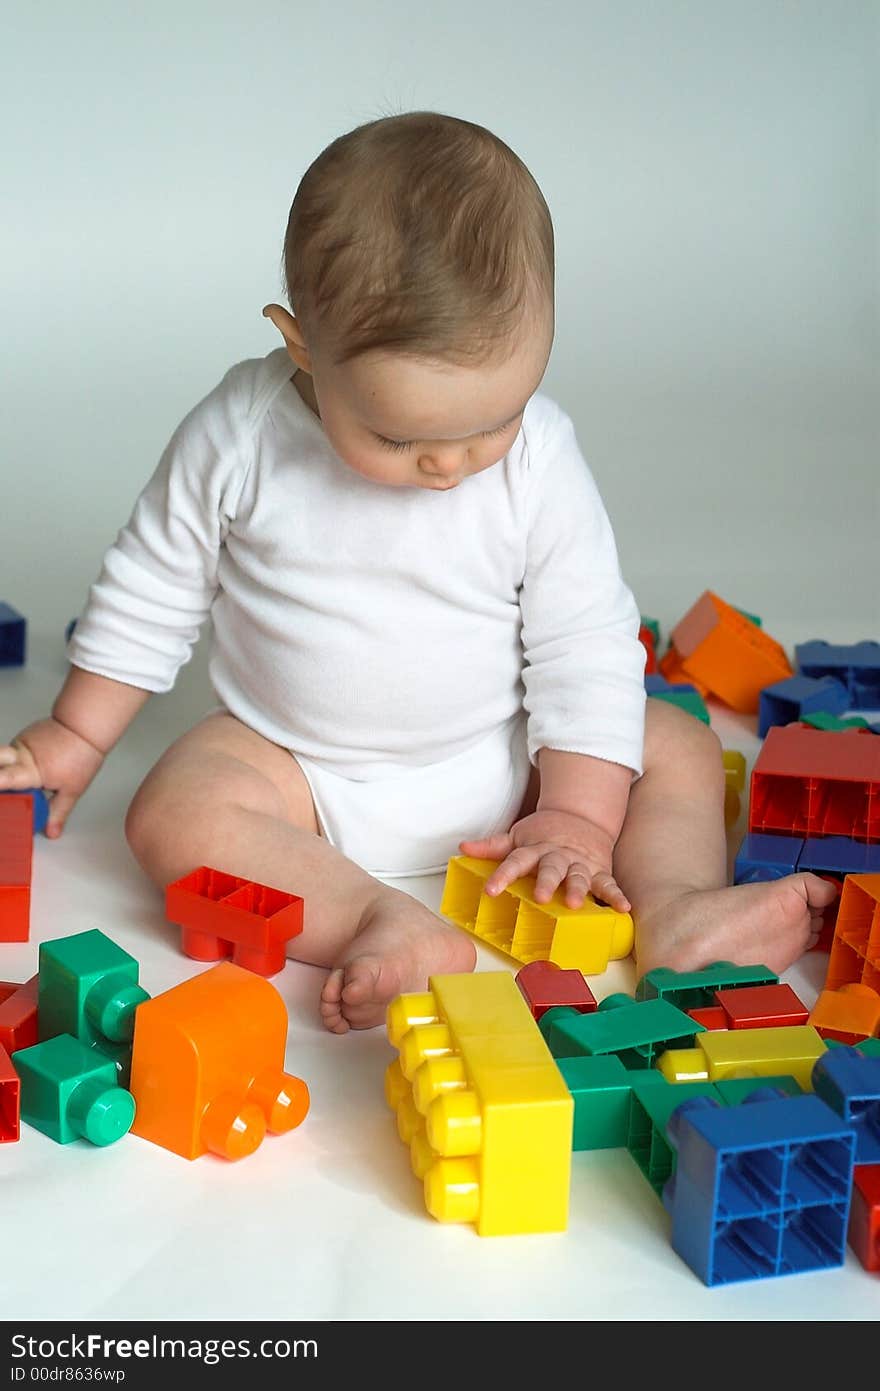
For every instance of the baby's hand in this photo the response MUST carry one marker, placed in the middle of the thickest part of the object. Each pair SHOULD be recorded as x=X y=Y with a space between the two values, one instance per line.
x=49 y=755
x=557 y=848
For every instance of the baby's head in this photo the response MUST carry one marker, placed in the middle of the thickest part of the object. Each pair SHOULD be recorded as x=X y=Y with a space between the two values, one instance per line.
x=419 y=266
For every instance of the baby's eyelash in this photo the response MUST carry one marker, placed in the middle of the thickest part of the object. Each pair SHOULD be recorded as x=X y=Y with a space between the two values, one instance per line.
x=400 y=445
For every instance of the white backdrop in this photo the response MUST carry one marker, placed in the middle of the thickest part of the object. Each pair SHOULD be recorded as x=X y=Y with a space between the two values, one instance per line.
x=712 y=173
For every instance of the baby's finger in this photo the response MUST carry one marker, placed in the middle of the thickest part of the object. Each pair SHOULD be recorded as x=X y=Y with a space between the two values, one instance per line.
x=59 y=809
x=577 y=885
x=605 y=887
x=516 y=866
x=489 y=848
x=15 y=777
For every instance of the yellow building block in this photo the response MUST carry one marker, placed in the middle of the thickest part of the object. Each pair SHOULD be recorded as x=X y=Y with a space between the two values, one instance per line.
x=481 y=1104
x=683 y=1065
x=734 y=784
x=584 y=939
x=791 y=1050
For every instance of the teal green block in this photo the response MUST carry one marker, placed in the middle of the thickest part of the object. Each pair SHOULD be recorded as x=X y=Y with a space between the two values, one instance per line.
x=601 y=1090
x=870 y=1047
x=650 y=1108
x=820 y=719
x=752 y=617
x=635 y=1031
x=691 y=701
x=733 y=1090
x=69 y=1091
x=696 y=989
x=88 y=989
x=551 y=1016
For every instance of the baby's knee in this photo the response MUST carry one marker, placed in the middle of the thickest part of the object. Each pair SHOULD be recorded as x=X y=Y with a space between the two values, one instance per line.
x=672 y=735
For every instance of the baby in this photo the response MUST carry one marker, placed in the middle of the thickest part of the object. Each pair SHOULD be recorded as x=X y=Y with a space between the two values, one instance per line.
x=421 y=640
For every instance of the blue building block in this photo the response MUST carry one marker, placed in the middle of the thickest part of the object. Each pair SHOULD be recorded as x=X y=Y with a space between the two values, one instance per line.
x=13 y=628
x=759 y=1189
x=838 y=855
x=763 y=857
x=657 y=685
x=857 y=665
x=40 y=803
x=68 y=631
x=679 y=693
x=796 y=696
x=849 y=1082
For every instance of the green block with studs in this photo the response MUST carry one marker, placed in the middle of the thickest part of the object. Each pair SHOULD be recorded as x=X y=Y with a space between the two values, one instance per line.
x=696 y=989
x=69 y=1091
x=88 y=988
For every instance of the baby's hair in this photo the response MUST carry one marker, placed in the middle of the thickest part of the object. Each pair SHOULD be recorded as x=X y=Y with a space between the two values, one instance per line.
x=418 y=233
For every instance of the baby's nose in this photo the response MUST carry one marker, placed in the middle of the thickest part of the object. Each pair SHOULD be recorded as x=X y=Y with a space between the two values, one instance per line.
x=443 y=463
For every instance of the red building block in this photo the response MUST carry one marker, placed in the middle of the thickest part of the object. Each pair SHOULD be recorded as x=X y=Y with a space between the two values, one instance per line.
x=864 y=1215
x=18 y=1015
x=815 y=782
x=222 y=915
x=544 y=985
x=761 y=1007
x=710 y=1016
x=646 y=638
x=16 y=853
x=10 y=1100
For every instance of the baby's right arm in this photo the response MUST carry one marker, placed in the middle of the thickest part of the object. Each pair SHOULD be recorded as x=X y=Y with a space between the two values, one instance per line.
x=65 y=752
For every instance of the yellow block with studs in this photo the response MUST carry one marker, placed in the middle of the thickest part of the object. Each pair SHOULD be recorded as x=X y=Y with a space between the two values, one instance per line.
x=481 y=1104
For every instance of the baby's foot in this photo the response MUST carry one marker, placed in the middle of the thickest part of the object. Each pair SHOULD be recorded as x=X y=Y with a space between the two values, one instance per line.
x=398 y=945
x=770 y=924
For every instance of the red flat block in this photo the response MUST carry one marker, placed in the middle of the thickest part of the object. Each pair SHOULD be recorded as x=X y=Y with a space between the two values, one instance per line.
x=544 y=985
x=816 y=782
x=18 y=1016
x=16 y=854
x=864 y=1215
x=710 y=1016
x=762 y=1007
x=222 y=915
x=10 y=1100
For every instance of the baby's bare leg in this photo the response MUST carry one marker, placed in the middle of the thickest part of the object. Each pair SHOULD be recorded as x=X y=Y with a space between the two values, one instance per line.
x=224 y=796
x=671 y=861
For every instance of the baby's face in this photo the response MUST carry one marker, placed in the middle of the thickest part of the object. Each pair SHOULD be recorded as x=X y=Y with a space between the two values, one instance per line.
x=416 y=423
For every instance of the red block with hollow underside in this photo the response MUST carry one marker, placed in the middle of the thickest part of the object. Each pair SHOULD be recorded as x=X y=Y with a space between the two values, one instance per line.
x=864 y=1215
x=18 y=1015
x=222 y=915
x=544 y=985
x=816 y=782
x=762 y=1007
x=710 y=1016
x=10 y=1100
x=16 y=854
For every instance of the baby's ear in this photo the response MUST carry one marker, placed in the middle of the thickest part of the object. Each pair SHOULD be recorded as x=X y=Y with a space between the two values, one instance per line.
x=291 y=332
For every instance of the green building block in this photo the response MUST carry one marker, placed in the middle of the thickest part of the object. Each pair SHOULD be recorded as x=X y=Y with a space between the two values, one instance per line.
x=551 y=1016
x=732 y=1090
x=89 y=989
x=696 y=989
x=752 y=617
x=635 y=1031
x=870 y=1047
x=650 y=1108
x=691 y=701
x=601 y=1089
x=69 y=1090
x=820 y=719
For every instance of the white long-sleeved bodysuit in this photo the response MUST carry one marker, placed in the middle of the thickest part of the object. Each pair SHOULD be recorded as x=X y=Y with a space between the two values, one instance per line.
x=414 y=649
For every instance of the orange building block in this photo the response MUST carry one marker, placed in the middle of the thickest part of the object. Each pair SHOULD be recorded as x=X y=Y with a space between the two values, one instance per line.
x=731 y=656
x=207 y=1067
x=850 y=1013
x=855 y=948
x=16 y=854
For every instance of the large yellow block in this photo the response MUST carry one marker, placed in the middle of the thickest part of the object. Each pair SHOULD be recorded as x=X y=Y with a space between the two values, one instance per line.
x=584 y=939
x=481 y=1104
x=790 y=1050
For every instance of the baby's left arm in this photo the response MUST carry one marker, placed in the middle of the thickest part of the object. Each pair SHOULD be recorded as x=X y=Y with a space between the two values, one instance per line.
x=570 y=837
